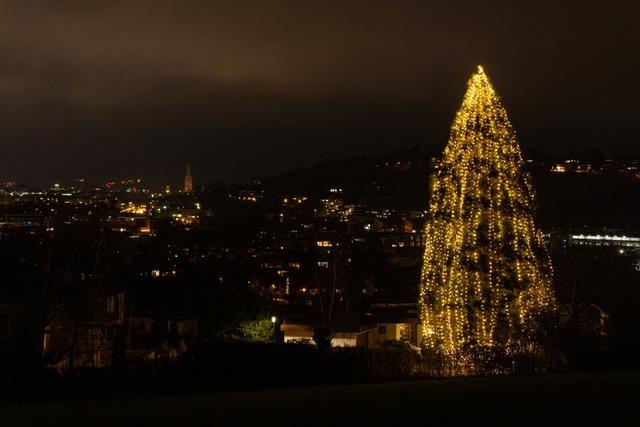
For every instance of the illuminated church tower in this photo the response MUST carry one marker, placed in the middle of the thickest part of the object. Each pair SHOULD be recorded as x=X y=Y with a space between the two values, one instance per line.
x=188 y=181
x=486 y=276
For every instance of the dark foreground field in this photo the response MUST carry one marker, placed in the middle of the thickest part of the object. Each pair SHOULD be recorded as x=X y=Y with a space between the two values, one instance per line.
x=603 y=398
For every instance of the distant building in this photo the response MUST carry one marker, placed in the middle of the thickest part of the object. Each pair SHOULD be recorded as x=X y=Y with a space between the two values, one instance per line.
x=116 y=332
x=188 y=180
x=614 y=240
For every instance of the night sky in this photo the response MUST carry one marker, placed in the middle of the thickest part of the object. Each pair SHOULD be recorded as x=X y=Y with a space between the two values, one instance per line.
x=241 y=88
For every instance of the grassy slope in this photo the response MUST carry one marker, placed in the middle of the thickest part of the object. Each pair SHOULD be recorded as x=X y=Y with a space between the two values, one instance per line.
x=602 y=398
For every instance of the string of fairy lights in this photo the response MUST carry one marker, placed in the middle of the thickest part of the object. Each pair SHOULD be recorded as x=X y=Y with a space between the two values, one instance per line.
x=486 y=275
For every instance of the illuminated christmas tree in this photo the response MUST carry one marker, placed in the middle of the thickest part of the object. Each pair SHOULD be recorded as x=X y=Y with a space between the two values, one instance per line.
x=486 y=275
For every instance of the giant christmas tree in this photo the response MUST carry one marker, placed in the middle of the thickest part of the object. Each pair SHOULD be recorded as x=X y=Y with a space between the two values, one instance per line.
x=486 y=275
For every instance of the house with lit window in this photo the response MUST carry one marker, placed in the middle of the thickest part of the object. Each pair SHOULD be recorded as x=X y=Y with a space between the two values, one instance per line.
x=385 y=322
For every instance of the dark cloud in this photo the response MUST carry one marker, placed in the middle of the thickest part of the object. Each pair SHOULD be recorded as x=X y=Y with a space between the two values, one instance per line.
x=246 y=88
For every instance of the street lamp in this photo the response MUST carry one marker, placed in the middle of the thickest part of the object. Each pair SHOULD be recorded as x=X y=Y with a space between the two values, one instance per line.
x=276 y=328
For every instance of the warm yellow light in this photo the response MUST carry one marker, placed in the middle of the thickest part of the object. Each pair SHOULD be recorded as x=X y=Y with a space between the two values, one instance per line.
x=486 y=276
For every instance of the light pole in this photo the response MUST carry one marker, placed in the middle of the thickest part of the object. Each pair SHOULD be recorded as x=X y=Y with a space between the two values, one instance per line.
x=276 y=329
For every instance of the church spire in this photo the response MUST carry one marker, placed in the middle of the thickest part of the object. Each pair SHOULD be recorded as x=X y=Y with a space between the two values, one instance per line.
x=188 y=180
